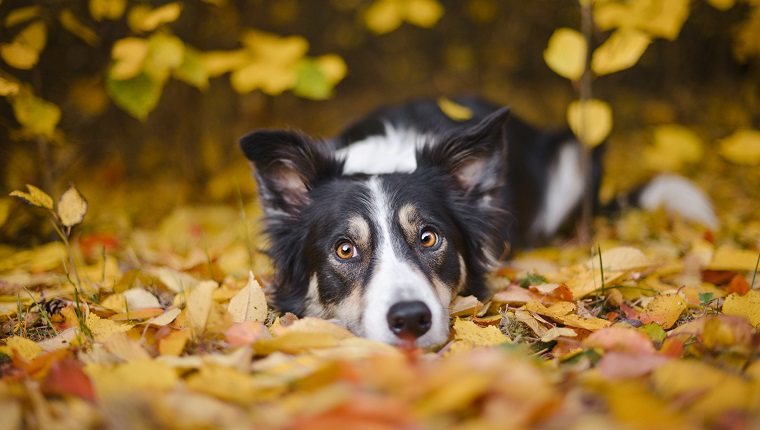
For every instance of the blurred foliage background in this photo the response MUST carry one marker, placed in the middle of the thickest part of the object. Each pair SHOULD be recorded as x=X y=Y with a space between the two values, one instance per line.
x=115 y=92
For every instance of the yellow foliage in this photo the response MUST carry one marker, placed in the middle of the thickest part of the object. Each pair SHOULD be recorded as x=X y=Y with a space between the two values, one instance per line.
x=566 y=53
x=71 y=207
x=143 y=18
x=656 y=17
x=249 y=303
x=76 y=27
x=35 y=197
x=384 y=16
x=674 y=147
x=129 y=54
x=664 y=310
x=107 y=9
x=590 y=120
x=747 y=306
x=27 y=349
x=21 y=15
x=742 y=147
x=271 y=64
x=454 y=110
x=620 y=51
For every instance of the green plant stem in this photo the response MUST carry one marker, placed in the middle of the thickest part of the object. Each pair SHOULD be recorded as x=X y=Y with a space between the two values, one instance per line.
x=752 y=285
x=601 y=265
x=43 y=312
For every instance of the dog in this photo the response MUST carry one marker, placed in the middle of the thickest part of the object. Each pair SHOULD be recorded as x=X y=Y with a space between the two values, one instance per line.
x=382 y=226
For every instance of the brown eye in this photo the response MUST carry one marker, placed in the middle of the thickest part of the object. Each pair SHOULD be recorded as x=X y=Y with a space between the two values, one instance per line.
x=345 y=250
x=428 y=238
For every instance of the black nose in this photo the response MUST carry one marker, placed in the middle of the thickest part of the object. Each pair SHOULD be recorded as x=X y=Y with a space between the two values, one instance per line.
x=409 y=319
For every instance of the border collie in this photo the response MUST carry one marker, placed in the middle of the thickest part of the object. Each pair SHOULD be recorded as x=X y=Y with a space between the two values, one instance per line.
x=382 y=226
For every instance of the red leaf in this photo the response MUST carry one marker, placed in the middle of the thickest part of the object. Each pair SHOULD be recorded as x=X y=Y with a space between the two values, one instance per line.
x=66 y=377
x=738 y=285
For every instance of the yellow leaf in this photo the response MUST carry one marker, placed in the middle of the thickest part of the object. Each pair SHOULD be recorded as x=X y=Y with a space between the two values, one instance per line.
x=165 y=318
x=271 y=80
x=664 y=310
x=727 y=258
x=174 y=344
x=79 y=29
x=566 y=53
x=107 y=9
x=333 y=67
x=35 y=197
x=34 y=36
x=464 y=306
x=383 y=16
x=742 y=147
x=21 y=15
x=142 y=18
x=71 y=207
x=556 y=332
x=656 y=17
x=218 y=63
x=124 y=347
x=722 y=4
x=166 y=52
x=674 y=146
x=140 y=375
x=316 y=326
x=423 y=13
x=454 y=110
x=747 y=306
x=713 y=391
x=104 y=328
x=223 y=383
x=129 y=55
x=249 y=303
x=630 y=402
x=295 y=342
x=199 y=305
x=620 y=258
x=5 y=210
x=25 y=348
x=19 y=56
x=478 y=336
x=272 y=48
x=38 y=116
x=591 y=121
x=620 y=51
x=8 y=88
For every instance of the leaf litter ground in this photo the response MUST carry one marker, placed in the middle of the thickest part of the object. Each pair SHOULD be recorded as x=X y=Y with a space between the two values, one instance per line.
x=163 y=323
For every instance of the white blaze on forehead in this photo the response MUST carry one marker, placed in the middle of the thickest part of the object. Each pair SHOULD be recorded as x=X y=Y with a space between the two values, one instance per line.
x=392 y=152
x=395 y=280
x=563 y=192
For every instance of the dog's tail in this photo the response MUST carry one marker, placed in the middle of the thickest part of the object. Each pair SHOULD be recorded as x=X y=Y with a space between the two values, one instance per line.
x=676 y=195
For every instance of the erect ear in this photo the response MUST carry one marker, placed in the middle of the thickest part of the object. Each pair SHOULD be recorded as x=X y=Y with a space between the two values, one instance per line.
x=475 y=157
x=288 y=166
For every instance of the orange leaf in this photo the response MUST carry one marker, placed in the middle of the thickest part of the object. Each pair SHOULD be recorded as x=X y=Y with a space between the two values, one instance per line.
x=738 y=285
x=67 y=378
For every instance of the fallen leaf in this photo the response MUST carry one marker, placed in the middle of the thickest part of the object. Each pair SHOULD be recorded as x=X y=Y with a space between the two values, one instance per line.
x=249 y=303
x=738 y=285
x=246 y=332
x=66 y=377
x=664 y=310
x=622 y=339
x=27 y=349
x=122 y=346
x=466 y=330
x=747 y=306
x=199 y=304
x=464 y=306
x=622 y=365
x=556 y=332
x=727 y=258
x=726 y=331
x=174 y=343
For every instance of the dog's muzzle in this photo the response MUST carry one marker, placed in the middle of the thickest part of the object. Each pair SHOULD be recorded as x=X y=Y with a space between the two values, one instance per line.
x=409 y=320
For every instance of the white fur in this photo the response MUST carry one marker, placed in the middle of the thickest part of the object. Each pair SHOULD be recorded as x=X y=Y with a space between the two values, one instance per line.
x=564 y=191
x=392 y=152
x=681 y=196
x=394 y=281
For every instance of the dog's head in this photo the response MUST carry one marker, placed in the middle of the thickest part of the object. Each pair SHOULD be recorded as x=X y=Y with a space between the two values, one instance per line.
x=383 y=254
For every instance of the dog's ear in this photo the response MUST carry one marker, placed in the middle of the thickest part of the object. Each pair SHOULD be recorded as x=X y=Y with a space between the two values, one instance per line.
x=475 y=156
x=288 y=165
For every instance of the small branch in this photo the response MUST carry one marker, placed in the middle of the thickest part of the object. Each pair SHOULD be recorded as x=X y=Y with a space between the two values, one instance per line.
x=587 y=205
